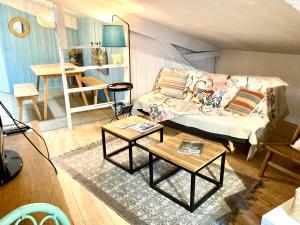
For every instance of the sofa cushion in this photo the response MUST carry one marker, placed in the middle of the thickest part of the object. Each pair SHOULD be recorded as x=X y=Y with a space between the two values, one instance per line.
x=296 y=146
x=244 y=102
x=173 y=82
x=295 y=209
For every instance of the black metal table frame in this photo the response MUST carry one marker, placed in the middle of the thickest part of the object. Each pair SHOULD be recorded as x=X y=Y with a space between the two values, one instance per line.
x=192 y=206
x=131 y=144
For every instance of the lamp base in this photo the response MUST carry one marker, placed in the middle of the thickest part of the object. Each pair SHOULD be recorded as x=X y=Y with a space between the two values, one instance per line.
x=13 y=163
x=116 y=59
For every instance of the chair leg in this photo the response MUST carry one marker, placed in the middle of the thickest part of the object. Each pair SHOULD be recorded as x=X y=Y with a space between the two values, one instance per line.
x=69 y=84
x=106 y=94
x=36 y=108
x=20 y=103
x=231 y=146
x=95 y=93
x=265 y=164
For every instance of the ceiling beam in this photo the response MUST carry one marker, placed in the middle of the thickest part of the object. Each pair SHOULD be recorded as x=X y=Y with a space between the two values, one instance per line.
x=201 y=55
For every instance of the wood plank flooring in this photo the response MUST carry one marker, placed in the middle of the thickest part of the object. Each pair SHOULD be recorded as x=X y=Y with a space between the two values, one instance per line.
x=86 y=209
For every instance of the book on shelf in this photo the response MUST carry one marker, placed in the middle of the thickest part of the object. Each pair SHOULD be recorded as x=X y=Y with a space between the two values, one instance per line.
x=190 y=147
x=125 y=124
x=144 y=126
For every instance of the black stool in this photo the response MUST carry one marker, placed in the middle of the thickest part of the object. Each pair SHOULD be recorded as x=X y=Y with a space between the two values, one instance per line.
x=121 y=87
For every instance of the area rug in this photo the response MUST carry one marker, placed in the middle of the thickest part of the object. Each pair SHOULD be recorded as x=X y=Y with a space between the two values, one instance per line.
x=131 y=197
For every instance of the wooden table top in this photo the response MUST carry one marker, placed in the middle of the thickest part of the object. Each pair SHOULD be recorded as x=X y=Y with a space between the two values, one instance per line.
x=36 y=182
x=127 y=133
x=55 y=69
x=168 y=150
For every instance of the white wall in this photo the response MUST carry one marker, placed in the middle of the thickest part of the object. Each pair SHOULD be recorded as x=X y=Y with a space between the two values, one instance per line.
x=285 y=66
x=149 y=55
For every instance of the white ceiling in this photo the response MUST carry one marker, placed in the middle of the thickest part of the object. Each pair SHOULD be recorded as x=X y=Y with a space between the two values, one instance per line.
x=258 y=25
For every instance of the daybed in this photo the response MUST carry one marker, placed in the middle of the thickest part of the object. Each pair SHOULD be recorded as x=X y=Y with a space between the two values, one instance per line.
x=200 y=100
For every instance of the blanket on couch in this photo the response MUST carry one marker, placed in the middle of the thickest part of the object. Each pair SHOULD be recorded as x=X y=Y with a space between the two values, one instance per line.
x=205 y=97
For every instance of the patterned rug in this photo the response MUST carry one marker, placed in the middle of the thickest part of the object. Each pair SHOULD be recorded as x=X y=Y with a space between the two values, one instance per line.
x=132 y=198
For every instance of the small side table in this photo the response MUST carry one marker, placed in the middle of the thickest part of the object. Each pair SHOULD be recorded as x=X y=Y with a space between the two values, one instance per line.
x=130 y=136
x=121 y=87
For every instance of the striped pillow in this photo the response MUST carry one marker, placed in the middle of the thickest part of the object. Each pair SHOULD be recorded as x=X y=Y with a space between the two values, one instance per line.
x=244 y=102
x=173 y=82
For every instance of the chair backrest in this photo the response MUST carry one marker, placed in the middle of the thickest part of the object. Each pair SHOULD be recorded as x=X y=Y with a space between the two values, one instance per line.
x=296 y=135
x=23 y=213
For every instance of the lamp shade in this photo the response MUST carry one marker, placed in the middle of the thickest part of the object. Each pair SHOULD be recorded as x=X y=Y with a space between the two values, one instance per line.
x=113 y=36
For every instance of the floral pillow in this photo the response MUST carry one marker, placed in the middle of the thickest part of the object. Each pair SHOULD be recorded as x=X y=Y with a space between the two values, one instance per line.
x=202 y=90
x=210 y=89
x=203 y=93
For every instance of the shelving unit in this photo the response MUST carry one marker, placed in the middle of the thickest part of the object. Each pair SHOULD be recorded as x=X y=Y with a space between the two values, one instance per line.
x=62 y=43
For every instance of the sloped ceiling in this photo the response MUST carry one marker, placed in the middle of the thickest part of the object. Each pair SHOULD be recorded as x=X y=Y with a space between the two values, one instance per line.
x=257 y=25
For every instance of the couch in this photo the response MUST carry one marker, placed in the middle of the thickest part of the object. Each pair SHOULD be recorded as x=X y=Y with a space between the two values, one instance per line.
x=201 y=100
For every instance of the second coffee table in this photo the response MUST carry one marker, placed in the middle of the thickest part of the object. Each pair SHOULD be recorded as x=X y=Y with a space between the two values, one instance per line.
x=193 y=164
x=129 y=135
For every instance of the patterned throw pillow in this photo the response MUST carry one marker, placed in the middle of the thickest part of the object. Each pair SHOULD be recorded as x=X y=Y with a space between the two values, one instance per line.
x=244 y=102
x=173 y=82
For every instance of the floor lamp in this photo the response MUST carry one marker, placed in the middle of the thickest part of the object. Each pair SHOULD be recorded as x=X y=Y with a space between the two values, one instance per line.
x=113 y=36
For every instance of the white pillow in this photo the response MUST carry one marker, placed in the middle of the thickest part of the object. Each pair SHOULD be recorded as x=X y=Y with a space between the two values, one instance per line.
x=296 y=145
x=295 y=210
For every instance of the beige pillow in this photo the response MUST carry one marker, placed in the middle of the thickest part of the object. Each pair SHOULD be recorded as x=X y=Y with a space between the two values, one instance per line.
x=295 y=210
x=173 y=82
x=296 y=145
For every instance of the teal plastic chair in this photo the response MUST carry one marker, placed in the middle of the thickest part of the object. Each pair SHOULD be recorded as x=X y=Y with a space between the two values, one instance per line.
x=23 y=213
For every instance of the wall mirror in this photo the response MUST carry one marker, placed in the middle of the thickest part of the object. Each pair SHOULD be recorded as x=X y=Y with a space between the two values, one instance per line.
x=19 y=27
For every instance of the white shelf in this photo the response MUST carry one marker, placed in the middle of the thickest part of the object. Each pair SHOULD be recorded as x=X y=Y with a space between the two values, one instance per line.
x=80 y=89
x=82 y=47
x=91 y=107
x=81 y=69
x=109 y=66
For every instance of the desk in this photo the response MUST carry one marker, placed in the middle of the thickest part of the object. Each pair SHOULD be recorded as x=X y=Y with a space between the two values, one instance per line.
x=36 y=182
x=47 y=71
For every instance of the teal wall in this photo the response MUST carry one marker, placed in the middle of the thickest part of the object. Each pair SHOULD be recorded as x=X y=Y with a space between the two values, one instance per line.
x=40 y=47
x=4 y=84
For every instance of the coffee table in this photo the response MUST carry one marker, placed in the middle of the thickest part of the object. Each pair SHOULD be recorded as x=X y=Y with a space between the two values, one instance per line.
x=129 y=135
x=193 y=164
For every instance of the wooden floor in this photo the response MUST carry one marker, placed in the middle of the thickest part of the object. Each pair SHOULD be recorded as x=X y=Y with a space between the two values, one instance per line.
x=86 y=209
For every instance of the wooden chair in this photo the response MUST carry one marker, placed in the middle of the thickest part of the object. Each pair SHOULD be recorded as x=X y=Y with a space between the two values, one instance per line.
x=23 y=92
x=23 y=213
x=93 y=81
x=283 y=150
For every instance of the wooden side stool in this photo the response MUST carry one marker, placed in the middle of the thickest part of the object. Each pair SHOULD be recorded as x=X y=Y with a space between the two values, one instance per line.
x=93 y=81
x=23 y=92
